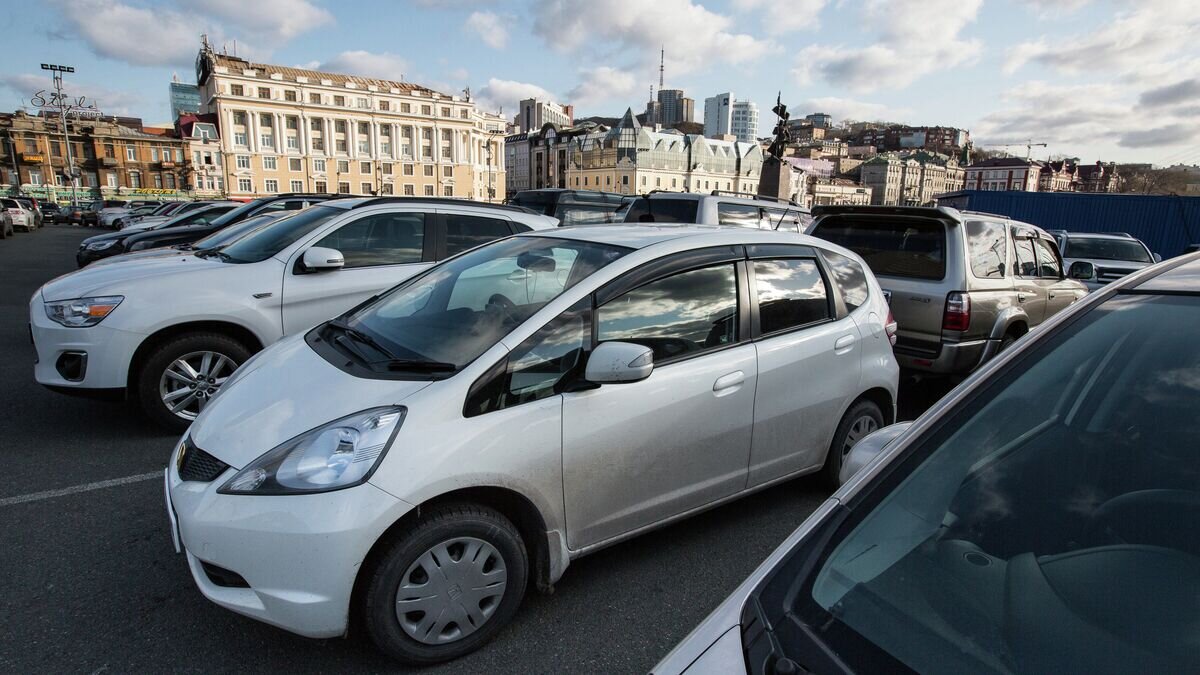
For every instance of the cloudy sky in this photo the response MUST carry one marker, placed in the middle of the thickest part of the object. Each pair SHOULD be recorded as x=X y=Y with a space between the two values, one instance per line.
x=1098 y=79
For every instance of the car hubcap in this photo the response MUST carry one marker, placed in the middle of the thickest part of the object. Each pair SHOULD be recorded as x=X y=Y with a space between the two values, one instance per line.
x=861 y=427
x=190 y=382
x=451 y=590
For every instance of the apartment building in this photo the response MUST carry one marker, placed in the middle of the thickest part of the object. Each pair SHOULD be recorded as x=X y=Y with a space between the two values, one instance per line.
x=113 y=158
x=205 y=170
x=535 y=113
x=723 y=114
x=911 y=179
x=1004 y=173
x=288 y=129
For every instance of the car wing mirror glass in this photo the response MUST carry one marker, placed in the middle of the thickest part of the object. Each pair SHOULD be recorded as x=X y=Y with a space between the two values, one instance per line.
x=619 y=362
x=1081 y=269
x=868 y=448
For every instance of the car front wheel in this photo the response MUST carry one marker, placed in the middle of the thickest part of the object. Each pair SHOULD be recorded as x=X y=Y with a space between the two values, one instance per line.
x=445 y=585
x=182 y=375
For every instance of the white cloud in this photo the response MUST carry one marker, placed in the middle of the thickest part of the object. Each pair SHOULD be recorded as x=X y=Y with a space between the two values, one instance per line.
x=692 y=35
x=460 y=74
x=602 y=84
x=779 y=16
x=108 y=101
x=385 y=66
x=915 y=38
x=163 y=36
x=490 y=28
x=850 y=109
x=506 y=94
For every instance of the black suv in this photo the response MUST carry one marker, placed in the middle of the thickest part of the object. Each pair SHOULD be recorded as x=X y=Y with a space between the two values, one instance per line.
x=195 y=228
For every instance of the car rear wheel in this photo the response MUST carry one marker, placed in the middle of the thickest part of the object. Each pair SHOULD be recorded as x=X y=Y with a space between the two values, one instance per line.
x=444 y=586
x=864 y=417
x=182 y=375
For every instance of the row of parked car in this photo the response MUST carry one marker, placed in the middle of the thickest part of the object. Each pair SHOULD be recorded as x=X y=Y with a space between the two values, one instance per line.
x=457 y=399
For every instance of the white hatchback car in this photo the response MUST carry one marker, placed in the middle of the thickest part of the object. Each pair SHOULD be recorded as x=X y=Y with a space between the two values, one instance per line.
x=169 y=330
x=424 y=457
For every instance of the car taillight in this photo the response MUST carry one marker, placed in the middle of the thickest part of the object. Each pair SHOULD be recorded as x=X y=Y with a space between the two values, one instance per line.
x=890 y=327
x=958 y=312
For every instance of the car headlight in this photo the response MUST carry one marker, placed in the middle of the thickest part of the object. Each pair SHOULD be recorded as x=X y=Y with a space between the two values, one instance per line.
x=338 y=455
x=101 y=245
x=82 y=312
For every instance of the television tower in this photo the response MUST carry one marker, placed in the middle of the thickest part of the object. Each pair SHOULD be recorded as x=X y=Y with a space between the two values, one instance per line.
x=662 y=60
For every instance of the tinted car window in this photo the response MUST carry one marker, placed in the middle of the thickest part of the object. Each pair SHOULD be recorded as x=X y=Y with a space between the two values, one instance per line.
x=660 y=210
x=1051 y=523
x=849 y=278
x=1099 y=248
x=1048 y=264
x=1027 y=265
x=987 y=244
x=379 y=239
x=466 y=232
x=790 y=293
x=676 y=316
x=900 y=248
x=741 y=215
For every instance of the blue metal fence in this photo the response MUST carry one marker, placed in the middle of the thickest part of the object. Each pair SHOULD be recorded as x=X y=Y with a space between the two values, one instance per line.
x=1166 y=223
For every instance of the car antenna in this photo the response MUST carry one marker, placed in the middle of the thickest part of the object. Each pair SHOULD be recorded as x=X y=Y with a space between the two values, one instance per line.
x=648 y=216
x=782 y=216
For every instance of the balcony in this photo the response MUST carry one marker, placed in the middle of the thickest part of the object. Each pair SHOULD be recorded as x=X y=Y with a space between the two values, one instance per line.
x=108 y=161
x=166 y=165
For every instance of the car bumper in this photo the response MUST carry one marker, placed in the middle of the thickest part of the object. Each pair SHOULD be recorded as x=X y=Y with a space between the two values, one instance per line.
x=107 y=353
x=954 y=358
x=299 y=555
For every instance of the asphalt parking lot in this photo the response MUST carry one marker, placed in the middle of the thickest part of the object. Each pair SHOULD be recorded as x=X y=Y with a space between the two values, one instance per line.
x=91 y=582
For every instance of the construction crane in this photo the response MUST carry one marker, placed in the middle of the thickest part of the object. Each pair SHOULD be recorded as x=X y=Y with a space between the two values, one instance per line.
x=1029 y=145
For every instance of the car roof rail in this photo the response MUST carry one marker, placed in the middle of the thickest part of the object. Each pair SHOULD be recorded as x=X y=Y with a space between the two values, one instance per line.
x=751 y=195
x=445 y=201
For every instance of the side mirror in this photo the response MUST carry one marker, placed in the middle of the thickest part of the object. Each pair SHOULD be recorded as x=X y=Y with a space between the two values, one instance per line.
x=1157 y=257
x=868 y=448
x=1082 y=270
x=319 y=259
x=618 y=362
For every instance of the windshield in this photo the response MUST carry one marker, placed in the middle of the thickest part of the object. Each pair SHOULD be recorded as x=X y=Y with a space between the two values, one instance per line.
x=1103 y=248
x=661 y=210
x=460 y=308
x=239 y=213
x=234 y=232
x=1050 y=524
x=264 y=243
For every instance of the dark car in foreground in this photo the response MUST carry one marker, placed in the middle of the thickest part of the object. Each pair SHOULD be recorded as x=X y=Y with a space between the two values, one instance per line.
x=1043 y=518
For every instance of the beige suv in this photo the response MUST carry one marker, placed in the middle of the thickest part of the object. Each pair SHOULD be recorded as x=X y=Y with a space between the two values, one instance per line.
x=962 y=285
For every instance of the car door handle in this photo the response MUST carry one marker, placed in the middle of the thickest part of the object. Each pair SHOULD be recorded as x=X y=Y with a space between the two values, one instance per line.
x=727 y=384
x=843 y=344
x=1021 y=297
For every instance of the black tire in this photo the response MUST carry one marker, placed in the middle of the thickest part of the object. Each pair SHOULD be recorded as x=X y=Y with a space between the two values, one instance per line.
x=859 y=412
x=385 y=572
x=164 y=355
x=1006 y=342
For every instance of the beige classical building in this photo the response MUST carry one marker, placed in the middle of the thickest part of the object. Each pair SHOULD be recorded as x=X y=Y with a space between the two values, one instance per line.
x=294 y=130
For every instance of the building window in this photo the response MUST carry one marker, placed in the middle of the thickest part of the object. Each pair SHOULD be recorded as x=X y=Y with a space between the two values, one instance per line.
x=35 y=177
x=268 y=140
x=56 y=148
x=463 y=113
x=445 y=112
x=448 y=171
x=319 y=165
x=111 y=179
x=364 y=103
x=243 y=161
x=157 y=181
x=446 y=152
x=295 y=164
x=153 y=154
x=339 y=100
x=428 y=169
x=447 y=190
x=405 y=108
x=314 y=98
x=271 y=185
x=364 y=147
x=135 y=179
x=244 y=185
x=110 y=151
x=239 y=139
x=131 y=153
x=289 y=95
x=318 y=144
x=409 y=190
x=343 y=166
x=426 y=110
x=387 y=169
x=384 y=105
x=297 y=186
x=264 y=92
x=170 y=178
x=428 y=190
x=409 y=170
x=387 y=189
x=320 y=186
x=291 y=123
x=179 y=155
x=236 y=89
x=293 y=142
x=366 y=188
x=364 y=167
x=270 y=163
x=341 y=145
x=344 y=188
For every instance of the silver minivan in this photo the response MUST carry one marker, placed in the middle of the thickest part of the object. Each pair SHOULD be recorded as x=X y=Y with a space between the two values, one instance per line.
x=718 y=208
x=962 y=285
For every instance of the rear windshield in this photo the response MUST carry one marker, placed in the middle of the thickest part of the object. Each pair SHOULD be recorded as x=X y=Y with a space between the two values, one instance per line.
x=662 y=210
x=1098 y=248
x=899 y=248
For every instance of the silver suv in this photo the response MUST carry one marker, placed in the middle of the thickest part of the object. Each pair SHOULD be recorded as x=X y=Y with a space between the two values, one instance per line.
x=718 y=208
x=1111 y=255
x=962 y=285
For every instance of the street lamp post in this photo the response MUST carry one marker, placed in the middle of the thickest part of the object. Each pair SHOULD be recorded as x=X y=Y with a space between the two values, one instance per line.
x=62 y=104
x=491 y=136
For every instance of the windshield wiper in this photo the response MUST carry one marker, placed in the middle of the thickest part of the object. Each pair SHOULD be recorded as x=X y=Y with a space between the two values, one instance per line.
x=215 y=253
x=358 y=335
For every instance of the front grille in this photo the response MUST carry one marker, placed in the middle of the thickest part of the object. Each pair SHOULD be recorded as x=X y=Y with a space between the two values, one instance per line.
x=196 y=464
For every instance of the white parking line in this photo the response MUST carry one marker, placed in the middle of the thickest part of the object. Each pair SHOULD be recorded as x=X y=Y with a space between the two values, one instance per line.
x=86 y=487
